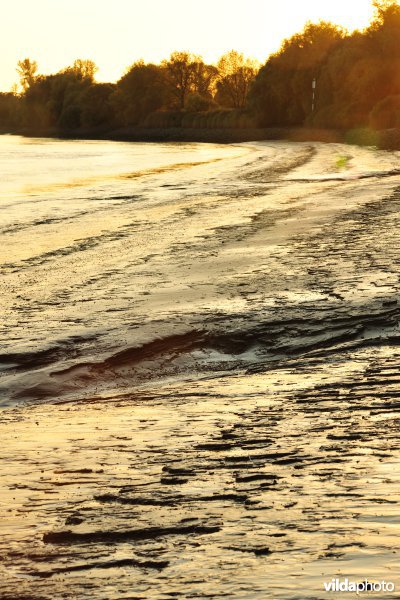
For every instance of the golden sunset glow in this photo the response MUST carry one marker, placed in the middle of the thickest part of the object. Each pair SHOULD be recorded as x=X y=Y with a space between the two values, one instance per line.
x=115 y=34
x=200 y=301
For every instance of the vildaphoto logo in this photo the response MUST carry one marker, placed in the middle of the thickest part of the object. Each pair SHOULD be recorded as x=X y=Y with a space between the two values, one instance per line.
x=359 y=587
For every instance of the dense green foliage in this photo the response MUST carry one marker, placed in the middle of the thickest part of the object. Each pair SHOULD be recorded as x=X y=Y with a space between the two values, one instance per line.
x=356 y=86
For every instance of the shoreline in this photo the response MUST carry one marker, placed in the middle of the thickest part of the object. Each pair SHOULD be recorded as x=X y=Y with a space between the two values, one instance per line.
x=387 y=139
x=177 y=134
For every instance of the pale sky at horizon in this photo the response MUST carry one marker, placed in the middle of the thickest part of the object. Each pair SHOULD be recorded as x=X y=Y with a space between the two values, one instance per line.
x=115 y=33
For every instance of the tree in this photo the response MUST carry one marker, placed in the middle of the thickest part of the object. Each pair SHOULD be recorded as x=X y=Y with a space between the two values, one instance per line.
x=199 y=103
x=204 y=79
x=84 y=68
x=70 y=117
x=8 y=109
x=382 y=7
x=386 y=113
x=282 y=91
x=181 y=69
x=235 y=76
x=27 y=70
x=139 y=92
x=96 y=107
x=55 y=100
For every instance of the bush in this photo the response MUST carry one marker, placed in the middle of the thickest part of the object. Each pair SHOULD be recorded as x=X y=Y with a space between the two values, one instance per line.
x=96 y=106
x=389 y=139
x=362 y=137
x=386 y=113
x=161 y=119
x=197 y=103
x=188 y=119
x=70 y=117
x=9 y=104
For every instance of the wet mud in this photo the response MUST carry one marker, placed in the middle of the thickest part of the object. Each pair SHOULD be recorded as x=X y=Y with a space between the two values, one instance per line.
x=205 y=403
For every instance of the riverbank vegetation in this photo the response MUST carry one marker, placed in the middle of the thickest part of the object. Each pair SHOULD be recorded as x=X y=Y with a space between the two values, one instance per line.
x=322 y=77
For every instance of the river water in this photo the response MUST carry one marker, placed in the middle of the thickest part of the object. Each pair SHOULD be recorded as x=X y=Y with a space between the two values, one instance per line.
x=198 y=368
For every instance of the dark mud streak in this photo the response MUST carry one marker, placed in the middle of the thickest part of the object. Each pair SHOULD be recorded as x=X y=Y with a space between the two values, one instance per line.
x=65 y=219
x=266 y=337
x=271 y=173
x=110 y=564
x=96 y=537
x=80 y=246
x=21 y=361
x=172 y=500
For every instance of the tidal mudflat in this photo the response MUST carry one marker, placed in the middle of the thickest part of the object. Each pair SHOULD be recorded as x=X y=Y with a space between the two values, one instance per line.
x=199 y=369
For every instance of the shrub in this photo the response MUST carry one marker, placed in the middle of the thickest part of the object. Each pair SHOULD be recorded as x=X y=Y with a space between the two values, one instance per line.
x=362 y=137
x=386 y=113
x=197 y=103
x=70 y=117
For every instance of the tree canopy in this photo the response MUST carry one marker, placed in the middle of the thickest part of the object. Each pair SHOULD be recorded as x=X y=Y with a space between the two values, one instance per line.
x=357 y=76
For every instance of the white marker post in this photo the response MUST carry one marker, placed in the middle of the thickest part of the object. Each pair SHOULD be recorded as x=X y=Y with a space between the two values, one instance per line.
x=314 y=85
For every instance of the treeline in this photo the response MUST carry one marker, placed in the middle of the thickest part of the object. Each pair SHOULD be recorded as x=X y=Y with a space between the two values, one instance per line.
x=357 y=76
x=321 y=78
x=148 y=94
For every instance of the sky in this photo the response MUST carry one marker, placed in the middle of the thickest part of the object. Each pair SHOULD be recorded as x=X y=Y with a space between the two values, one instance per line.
x=115 y=33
